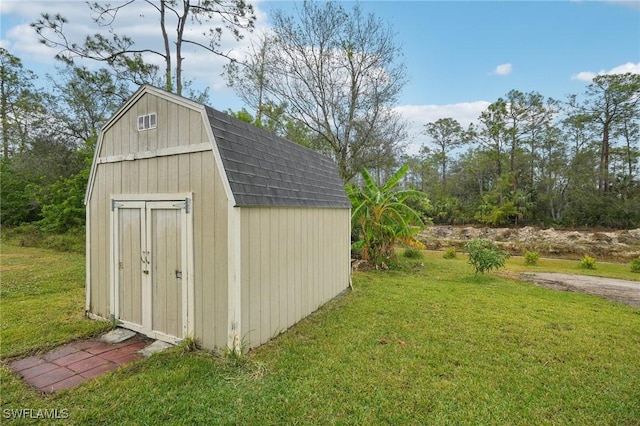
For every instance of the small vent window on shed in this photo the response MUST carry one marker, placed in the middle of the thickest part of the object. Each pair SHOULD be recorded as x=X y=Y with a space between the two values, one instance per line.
x=148 y=121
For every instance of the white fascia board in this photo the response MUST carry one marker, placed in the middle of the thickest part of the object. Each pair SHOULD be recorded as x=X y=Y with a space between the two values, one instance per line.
x=115 y=117
x=234 y=289
x=87 y=285
x=92 y=172
x=170 y=196
x=162 y=152
x=217 y=158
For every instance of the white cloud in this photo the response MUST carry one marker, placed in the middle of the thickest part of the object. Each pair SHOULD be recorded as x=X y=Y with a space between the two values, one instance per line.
x=139 y=22
x=584 y=76
x=419 y=115
x=625 y=68
x=634 y=4
x=502 y=69
x=21 y=41
x=620 y=69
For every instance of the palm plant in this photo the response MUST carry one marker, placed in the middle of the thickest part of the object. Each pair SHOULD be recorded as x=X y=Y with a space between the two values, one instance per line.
x=381 y=218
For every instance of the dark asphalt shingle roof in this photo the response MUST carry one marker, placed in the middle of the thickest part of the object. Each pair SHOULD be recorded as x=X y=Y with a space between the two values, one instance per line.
x=266 y=170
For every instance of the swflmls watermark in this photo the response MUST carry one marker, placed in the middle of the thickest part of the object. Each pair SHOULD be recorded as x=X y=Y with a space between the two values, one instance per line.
x=35 y=413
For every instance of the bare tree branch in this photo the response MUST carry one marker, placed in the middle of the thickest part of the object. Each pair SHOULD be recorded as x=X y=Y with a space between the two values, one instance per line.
x=128 y=62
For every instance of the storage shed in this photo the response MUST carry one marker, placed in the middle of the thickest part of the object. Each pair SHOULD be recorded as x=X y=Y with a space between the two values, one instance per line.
x=201 y=225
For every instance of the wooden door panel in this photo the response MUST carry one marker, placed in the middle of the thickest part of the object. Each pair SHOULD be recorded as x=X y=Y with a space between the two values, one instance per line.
x=129 y=265
x=165 y=241
x=150 y=266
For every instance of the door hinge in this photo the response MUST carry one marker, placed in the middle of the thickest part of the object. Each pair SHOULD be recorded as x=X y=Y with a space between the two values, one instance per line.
x=178 y=274
x=115 y=204
x=186 y=205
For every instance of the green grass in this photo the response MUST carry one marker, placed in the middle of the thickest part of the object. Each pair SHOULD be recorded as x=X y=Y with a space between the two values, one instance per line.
x=41 y=300
x=459 y=350
x=603 y=269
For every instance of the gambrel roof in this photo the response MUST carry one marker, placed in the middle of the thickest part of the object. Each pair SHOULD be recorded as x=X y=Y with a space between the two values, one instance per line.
x=262 y=169
x=266 y=170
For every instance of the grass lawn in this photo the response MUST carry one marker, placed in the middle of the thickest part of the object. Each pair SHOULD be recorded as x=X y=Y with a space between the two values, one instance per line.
x=42 y=300
x=428 y=344
x=602 y=268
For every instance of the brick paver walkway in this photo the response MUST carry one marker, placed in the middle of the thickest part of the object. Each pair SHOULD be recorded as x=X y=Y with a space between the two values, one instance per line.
x=69 y=365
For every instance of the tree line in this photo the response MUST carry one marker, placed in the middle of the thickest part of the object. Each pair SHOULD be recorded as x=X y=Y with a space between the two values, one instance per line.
x=540 y=161
x=326 y=77
x=49 y=134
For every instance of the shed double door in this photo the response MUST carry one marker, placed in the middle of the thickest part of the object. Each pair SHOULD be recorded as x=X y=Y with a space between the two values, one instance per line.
x=150 y=267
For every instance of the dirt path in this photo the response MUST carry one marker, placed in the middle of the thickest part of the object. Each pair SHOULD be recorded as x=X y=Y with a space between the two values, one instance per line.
x=613 y=289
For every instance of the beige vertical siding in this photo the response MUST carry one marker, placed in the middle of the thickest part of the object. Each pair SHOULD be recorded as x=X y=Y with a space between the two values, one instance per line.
x=177 y=125
x=292 y=261
x=193 y=172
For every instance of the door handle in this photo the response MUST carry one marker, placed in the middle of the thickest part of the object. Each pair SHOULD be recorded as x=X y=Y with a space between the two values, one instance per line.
x=144 y=258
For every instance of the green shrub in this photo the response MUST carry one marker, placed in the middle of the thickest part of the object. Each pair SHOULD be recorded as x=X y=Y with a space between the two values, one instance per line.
x=635 y=265
x=31 y=235
x=587 y=262
x=450 y=253
x=63 y=204
x=412 y=253
x=485 y=255
x=382 y=219
x=27 y=235
x=531 y=258
x=17 y=196
x=356 y=250
x=71 y=241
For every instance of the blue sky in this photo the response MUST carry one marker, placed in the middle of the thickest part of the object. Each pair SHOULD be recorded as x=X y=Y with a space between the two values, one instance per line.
x=453 y=47
x=460 y=55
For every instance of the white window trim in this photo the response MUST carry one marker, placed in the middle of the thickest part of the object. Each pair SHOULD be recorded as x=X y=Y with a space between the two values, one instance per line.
x=147 y=121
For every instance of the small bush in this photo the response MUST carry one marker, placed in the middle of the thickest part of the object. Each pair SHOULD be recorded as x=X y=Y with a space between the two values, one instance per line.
x=356 y=250
x=635 y=265
x=587 y=262
x=27 y=235
x=531 y=258
x=188 y=344
x=30 y=235
x=450 y=253
x=485 y=255
x=412 y=253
